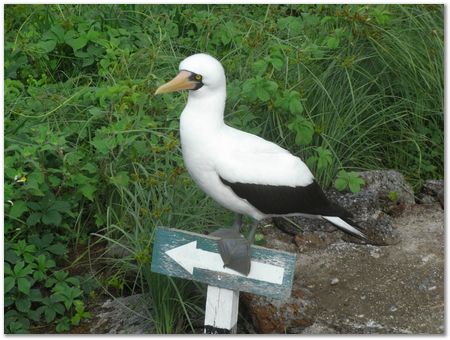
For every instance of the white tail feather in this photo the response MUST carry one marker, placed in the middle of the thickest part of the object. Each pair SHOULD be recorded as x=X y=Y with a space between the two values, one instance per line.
x=344 y=225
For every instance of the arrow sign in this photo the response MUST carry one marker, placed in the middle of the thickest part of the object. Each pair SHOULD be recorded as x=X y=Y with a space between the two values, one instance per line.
x=196 y=257
x=189 y=256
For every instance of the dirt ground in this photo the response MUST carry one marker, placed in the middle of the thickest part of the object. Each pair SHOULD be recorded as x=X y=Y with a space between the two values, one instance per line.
x=381 y=289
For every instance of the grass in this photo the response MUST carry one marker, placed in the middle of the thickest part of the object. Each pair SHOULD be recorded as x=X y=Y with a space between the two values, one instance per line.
x=361 y=85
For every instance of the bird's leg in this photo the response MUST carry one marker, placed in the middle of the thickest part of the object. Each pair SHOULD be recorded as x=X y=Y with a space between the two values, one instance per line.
x=234 y=231
x=234 y=248
x=237 y=224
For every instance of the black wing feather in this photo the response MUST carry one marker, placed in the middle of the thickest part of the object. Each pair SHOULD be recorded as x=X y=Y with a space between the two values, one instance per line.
x=283 y=200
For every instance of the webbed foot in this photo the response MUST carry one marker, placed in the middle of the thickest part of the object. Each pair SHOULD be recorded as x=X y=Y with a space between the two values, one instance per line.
x=234 y=250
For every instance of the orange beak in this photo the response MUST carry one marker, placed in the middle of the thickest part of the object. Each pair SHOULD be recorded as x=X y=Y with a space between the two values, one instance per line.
x=180 y=82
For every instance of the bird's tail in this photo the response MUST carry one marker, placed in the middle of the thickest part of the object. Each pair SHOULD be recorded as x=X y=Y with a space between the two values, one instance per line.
x=353 y=229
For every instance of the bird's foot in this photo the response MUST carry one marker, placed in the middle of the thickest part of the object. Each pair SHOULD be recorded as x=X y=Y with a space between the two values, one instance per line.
x=234 y=250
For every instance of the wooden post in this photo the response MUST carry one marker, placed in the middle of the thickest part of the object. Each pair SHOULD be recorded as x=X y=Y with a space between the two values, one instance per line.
x=221 y=312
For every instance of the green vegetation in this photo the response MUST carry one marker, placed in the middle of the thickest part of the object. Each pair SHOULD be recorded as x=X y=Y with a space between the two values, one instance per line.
x=92 y=160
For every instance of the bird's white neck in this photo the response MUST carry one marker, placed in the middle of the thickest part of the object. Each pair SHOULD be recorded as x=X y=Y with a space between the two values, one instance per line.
x=204 y=110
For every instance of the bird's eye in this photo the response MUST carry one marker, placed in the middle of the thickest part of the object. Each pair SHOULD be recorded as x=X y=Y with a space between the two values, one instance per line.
x=198 y=77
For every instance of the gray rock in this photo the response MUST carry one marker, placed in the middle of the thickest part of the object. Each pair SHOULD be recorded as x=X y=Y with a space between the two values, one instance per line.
x=127 y=315
x=318 y=328
x=432 y=191
x=384 y=190
x=385 y=182
x=379 y=230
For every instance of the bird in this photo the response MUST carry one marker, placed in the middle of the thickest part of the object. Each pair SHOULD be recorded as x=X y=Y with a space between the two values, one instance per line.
x=244 y=173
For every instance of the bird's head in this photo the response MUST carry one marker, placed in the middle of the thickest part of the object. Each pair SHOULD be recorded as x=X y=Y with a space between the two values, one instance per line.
x=199 y=72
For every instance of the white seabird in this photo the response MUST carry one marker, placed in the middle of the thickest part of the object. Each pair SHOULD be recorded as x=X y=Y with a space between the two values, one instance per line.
x=242 y=172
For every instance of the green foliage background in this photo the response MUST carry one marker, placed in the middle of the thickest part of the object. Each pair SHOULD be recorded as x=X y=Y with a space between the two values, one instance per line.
x=90 y=151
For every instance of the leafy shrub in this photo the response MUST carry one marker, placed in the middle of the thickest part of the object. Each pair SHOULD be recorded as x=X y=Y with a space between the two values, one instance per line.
x=34 y=291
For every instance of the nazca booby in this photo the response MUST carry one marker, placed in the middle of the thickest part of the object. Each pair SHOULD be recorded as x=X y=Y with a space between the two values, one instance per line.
x=242 y=172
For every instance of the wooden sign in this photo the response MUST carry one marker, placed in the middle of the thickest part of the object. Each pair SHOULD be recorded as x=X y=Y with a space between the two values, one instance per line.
x=196 y=257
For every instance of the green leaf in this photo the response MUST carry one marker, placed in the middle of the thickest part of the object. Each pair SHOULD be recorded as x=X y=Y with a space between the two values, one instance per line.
x=34 y=315
x=18 y=268
x=59 y=32
x=90 y=167
x=36 y=177
x=34 y=218
x=57 y=249
x=28 y=257
x=76 y=43
x=7 y=268
x=59 y=308
x=80 y=179
x=340 y=184
x=303 y=129
x=11 y=256
x=35 y=295
x=23 y=304
x=393 y=196
x=18 y=209
x=61 y=206
x=63 y=325
x=304 y=135
x=75 y=320
x=45 y=46
x=324 y=157
x=332 y=42
x=9 y=283
x=295 y=105
x=262 y=94
x=293 y=25
x=74 y=281
x=39 y=275
x=354 y=187
x=54 y=181
x=88 y=191
x=49 y=314
x=24 y=285
x=277 y=63
x=260 y=66
x=52 y=217
x=121 y=179
x=355 y=183
x=103 y=145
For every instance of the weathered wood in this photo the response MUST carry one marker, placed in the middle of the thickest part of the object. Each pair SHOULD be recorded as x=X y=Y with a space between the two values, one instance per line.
x=277 y=283
x=221 y=311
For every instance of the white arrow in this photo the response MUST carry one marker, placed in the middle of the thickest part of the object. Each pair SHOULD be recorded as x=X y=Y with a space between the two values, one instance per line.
x=189 y=256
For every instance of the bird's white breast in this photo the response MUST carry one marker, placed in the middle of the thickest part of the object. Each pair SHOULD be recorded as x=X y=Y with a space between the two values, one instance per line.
x=201 y=147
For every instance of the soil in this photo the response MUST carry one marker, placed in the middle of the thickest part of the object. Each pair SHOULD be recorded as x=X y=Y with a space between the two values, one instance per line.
x=381 y=289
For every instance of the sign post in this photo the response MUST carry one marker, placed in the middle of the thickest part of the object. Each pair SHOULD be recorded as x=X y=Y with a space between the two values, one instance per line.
x=196 y=257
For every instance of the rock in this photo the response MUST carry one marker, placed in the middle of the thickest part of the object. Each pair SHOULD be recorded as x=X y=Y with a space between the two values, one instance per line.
x=278 y=317
x=385 y=190
x=318 y=328
x=125 y=315
x=379 y=230
x=432 y=191
x=392 y=191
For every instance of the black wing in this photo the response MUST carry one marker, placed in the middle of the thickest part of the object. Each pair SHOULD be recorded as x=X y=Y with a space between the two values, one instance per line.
x=283 y=200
